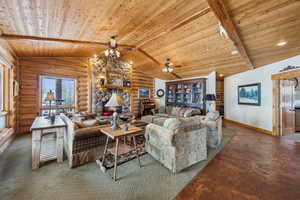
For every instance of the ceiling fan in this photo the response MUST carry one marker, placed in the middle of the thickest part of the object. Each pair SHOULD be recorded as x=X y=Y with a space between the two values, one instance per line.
x=169 y=66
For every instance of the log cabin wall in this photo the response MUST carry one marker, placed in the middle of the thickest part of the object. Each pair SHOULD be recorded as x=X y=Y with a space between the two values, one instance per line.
x=31 y=68
x=139 y=80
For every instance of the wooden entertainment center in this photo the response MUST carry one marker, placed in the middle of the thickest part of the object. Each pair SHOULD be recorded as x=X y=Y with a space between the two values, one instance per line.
x=186 y=93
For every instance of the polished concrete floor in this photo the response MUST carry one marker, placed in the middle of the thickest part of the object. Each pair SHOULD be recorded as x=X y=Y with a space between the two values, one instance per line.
x=252 y=166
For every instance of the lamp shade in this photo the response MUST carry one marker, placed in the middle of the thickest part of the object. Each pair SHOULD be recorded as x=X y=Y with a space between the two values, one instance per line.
x=210 y=97
x=50 y=96
x=114 y=101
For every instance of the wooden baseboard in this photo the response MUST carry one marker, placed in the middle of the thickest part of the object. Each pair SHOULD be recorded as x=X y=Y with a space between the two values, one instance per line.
x=250 y=127
x=6 y=138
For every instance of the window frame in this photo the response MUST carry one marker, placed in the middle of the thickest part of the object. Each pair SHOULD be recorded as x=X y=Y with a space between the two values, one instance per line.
x=41 y=107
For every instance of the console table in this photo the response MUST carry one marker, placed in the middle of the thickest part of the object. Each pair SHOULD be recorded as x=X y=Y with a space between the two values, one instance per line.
x=40 y=126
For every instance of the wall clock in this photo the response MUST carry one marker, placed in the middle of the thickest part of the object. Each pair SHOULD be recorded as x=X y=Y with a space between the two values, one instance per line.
x=160 y=92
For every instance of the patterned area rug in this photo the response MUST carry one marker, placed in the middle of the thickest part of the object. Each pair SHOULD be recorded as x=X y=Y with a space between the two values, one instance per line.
x=123 y=158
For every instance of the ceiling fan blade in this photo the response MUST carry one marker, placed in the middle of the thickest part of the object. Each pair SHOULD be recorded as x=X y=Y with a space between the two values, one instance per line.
x=177 y=66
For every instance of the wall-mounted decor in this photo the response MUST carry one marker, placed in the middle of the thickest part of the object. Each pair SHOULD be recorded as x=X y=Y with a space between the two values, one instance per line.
x=160 y=92
x=16 y=88
x=144 y=93
x=127 y=84
x=115 y=79
x=288 y=68
x=250 y=94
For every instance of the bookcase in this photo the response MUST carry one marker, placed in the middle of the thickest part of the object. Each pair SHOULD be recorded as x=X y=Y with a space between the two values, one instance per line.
x=186 y=93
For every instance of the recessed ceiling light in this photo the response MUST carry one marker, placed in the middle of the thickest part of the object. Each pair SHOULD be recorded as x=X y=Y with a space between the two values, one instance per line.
x=234 y=52
x=221 y=75
x=281 y=43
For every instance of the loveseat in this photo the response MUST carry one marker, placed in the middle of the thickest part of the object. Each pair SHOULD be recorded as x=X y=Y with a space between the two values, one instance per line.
x=178 y=143
x=82 y=144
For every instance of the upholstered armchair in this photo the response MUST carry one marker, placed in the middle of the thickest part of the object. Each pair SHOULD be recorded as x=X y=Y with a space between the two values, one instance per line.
x=213 y=122
x=177 y=144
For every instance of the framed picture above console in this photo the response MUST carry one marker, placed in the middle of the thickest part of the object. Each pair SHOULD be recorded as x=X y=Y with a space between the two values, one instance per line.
x=144 y=93
x=250 y=94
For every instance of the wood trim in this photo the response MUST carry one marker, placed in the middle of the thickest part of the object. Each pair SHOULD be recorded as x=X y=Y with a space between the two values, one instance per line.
x=276 y=109
x=27 y=37
x=149 y=56
x=220 y=10
x=286 y=75
x=250 y=127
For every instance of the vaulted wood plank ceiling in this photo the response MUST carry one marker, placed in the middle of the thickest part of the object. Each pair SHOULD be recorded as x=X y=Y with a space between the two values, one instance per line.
x=184 y=30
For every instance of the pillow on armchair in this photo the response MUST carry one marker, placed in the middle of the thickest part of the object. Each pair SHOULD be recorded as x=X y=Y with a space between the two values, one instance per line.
x=175 y=111
x=87 y=123
x=172 y=123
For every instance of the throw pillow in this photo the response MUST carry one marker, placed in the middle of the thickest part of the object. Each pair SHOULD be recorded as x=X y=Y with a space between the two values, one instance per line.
x=175 y=111
x=196 y=112
x=181 y=112
x=90 y=122
x=213 y=115
x=87 y=123
x=188 y=113
x=172 y=123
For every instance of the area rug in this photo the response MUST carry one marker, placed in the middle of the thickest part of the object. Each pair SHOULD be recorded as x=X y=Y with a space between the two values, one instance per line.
x=58 y=182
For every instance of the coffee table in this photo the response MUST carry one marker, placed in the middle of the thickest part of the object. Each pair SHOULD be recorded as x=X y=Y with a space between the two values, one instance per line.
x=116 y=135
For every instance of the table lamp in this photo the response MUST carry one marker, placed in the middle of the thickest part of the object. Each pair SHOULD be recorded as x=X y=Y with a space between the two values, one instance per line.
x=50 y=97
x=210 y=98
x=114 y=102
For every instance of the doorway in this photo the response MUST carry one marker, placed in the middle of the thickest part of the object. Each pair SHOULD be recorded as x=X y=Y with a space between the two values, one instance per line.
x=286 y=103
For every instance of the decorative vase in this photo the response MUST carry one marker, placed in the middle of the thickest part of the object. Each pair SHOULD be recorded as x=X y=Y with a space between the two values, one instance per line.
x=125 y=128
x=52 y=119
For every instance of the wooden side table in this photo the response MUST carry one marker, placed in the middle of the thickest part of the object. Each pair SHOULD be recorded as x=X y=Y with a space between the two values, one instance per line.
x=117 y=134
x=40 y=125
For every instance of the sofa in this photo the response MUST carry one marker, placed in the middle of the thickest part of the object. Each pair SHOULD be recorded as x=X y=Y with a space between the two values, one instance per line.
x=171 y=112
x=82 y=144
x=178 y=143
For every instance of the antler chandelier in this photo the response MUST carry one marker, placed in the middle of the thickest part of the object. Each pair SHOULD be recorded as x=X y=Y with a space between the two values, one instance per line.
x=111 y=62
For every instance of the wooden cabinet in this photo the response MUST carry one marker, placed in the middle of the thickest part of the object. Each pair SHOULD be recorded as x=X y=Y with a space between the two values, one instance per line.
x=220 y=96
x=186 y=93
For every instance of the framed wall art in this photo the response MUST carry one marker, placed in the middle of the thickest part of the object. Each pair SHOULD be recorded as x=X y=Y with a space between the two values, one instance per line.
x=144 y=93
x=250 y=94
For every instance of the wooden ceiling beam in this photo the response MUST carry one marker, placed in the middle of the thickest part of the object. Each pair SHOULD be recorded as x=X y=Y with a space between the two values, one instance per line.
x=156 y=61
x=221 y=12
x=35 y=38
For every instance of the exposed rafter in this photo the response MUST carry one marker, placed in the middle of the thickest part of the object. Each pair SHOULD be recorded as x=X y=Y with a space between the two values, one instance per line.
x=35 y=38
x=220 y=10
x=26 y=37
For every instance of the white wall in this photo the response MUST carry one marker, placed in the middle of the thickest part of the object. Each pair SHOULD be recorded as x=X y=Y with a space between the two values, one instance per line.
x=159 y=84
x=258 y=116
x=211 y=89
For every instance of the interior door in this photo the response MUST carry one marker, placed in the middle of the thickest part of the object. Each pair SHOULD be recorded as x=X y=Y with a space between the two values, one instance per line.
x=287 y=88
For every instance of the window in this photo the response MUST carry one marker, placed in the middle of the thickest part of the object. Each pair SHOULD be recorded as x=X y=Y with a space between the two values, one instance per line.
x=64 y=94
